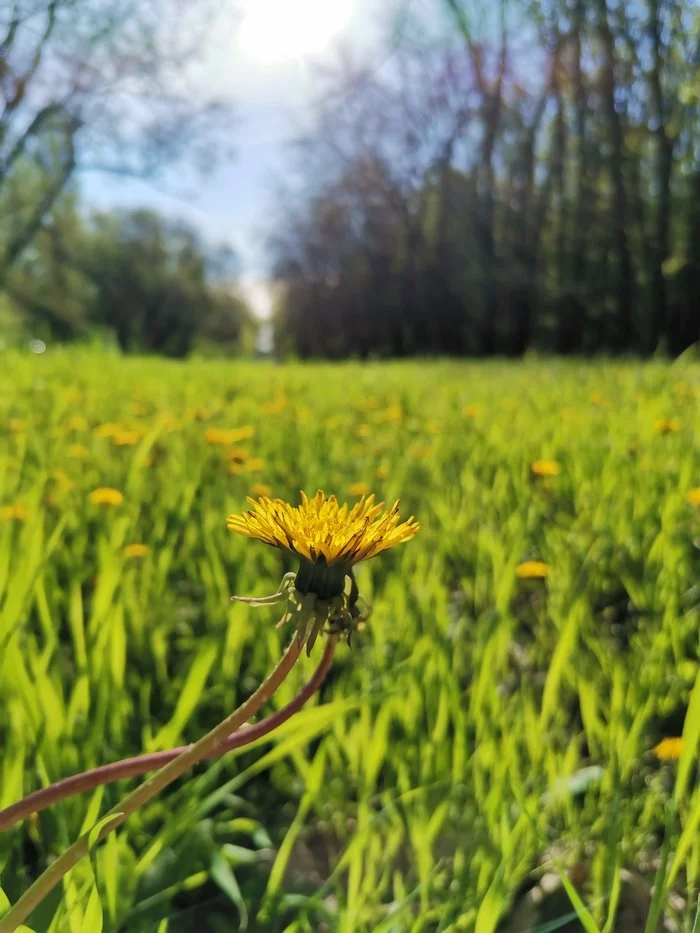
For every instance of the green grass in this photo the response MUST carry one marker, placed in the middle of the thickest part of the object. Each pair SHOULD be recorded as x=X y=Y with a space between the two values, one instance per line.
x=482 y=730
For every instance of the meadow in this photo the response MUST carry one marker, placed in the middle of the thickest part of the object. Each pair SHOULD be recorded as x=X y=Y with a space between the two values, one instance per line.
x=492 y=724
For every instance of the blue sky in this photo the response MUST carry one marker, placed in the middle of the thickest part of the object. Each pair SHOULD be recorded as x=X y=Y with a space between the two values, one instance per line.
x=263 y=60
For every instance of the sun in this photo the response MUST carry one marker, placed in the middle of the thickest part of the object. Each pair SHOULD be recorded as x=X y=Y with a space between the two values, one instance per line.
x=276 y=31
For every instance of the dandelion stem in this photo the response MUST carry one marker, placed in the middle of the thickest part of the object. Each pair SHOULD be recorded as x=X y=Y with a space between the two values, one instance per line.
x=142 y=764
x=48 y=880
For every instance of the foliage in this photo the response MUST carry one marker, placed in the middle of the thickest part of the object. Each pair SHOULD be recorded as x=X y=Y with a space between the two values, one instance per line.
x=150 y=282
x=485 y=725
x=526 y=175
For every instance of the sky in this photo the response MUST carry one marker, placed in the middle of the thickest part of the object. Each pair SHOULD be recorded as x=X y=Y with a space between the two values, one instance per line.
x=263 y=59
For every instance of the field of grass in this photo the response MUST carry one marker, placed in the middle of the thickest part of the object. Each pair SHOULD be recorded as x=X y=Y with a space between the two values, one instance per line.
x=485 y=728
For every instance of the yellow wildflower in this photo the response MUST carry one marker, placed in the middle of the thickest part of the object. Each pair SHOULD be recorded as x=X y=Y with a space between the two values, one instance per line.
x=693 y=496
x=126 y=438
x=76 y=423
x=254 y=465
x=471 y=411
x=17 y=425
x=546 y=467
x=363 y=430
x=105 y=495
x=322 y=531
x=532 y=570
x=260 y=489
x=135 y=550
x=358 y=489
x=276 y=405
x=109 y=429
x=17 y=513
x=329 y=539
x=667 y=426
x=225 y=438
x=669 y=749
x=78 y=452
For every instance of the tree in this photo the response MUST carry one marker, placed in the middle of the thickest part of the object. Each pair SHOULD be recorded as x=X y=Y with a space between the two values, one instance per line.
x=90 y=84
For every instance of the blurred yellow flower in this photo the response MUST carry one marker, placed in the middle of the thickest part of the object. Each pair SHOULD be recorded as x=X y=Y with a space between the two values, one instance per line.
x=393 y=414
x=667 y=425
x=471 y=411
x=17 y=513
x=109 y=429
x=260 y=490
x=105 y=495
x=126 y=438
x=370 y=403
x=546 y=467
x=135 y=550
x=238 y=454
x=254 y=465
x=78 y=452
x=669 y=749
x=532 y=570
x=63 y=482
x=358 y=489
x=276 y=405
x=693 y=496
x=224 y=437
x=363 y=430
x=76 y=423
x=17 y=425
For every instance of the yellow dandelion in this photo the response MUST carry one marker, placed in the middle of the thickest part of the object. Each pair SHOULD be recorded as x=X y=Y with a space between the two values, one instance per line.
x=135 y=550
x=322 y=531
x=225 y=438
x=667 y=426
x=358 y=489
x=276 y=405
x=126 y=438
x=260 y=490
x=363 y=430
x=78 y=452
x=546 y=467
x=109 y=429
x=669 y=749
x=393 y=414
x=76 y=423
x=17 y=513
x=471 y=411
x=532 y=570
x=105 y=495
x=693 y=496
x=254 y=465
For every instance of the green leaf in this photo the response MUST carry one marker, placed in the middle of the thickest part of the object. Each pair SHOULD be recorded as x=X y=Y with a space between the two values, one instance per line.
x=582 y=912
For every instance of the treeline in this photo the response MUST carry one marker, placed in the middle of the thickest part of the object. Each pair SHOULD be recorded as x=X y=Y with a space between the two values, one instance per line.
x=533 y=182
x=148 y=284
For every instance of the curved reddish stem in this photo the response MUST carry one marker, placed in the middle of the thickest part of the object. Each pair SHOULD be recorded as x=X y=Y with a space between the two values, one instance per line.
x=142 y=764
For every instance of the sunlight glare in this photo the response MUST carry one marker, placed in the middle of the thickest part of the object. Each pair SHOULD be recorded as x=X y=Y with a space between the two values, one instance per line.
x=275 y=31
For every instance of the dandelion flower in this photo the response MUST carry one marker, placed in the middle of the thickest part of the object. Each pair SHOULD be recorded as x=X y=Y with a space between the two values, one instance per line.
x=665 y=426
x=225 y=438
x=329 y=539
x=109 y=429
x=260 y=490
x=135 y=550
x=76 y=423
x=669 y=749
x=105 y=495
x=471 y=411
x=358 y=489
x=17 y=513
x=78 y=452
x=532 y=570
x=276 y=405
x=693 y=496
x=363 y=430
x=546 y=468
x=126 y=438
